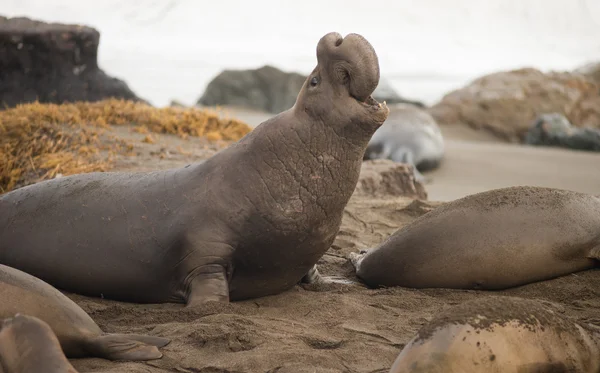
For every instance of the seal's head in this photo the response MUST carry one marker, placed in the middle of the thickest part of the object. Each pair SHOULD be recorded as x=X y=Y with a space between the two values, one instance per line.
x=339 y=89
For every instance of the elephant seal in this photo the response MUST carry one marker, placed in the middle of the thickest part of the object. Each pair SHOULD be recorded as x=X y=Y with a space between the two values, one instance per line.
x=28 y=345
x=251 y=221
x=492 y=240
x=501 y=335
x=409 y=135
x=78 y=334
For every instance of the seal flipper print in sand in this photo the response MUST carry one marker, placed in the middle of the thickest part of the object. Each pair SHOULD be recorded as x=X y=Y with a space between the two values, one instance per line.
x=78 y=334
x=492 y=240
x=28 y=345
x=501 y=335
x=248 y=222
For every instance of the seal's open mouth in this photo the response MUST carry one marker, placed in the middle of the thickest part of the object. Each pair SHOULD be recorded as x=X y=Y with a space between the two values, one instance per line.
x=371 y=102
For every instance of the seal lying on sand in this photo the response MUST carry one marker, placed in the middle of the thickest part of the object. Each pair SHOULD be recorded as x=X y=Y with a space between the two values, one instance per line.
x=28 y=345
x=409 y=135
x=491 y=240
x=250 y=221
x=78 y=334
x=501 y=335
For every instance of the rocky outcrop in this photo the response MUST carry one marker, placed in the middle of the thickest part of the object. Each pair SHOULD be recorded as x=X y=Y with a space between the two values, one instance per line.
x=385 y=92
x=52 y=63
x=554 y=129
x=591 y=71
x=272 y=90
x=266 y=88
x=506 y=103
x=385 y=178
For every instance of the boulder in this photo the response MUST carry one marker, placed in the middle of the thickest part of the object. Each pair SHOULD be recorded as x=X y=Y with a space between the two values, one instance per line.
x=591 y=71
x=506 y=103
x=385 y=92
x=383 y=178
x=266 y=88
x=52 y=63
x=553 y=129
x=271 y=89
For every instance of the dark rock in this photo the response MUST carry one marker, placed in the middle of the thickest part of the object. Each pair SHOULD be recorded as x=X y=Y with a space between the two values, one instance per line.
x=272 y=90
x=385 y=92
x=505 y=103
x=52 y=63
x=554 y=129
x=266 y=88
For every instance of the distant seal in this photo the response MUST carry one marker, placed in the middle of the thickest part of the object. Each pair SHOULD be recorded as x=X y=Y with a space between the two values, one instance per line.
x=78 y=334
x=28 y=345
x=501 y=334
x=409 y=135
x=554 y=129
x=492 y=240
x=252 y=220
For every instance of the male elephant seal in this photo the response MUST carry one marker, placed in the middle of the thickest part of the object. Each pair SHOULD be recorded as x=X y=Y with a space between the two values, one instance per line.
x=248 y=222
x=78 y=334
x=409 y=135
x=491 y=240
x=28 y=345
x=501 y=335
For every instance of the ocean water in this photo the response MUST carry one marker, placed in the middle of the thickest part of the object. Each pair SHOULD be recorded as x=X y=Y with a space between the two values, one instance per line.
x=170 y=49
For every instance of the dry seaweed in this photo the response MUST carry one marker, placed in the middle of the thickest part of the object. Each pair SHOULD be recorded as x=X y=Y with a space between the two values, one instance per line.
x=41 y=141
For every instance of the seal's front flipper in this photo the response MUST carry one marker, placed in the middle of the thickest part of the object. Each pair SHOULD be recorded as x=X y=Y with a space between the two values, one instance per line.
x=147 y=339
x=209 y=284
x=312 y=276
x=121 y=347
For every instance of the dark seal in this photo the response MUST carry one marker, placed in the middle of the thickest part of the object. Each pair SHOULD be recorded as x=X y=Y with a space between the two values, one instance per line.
x=251 y=221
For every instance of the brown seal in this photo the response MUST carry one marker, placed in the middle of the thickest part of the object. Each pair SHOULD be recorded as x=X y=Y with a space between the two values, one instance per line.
x=492 y=240
x=253 y=220
x=78 y=334
x=28 y=345
x=500 y=334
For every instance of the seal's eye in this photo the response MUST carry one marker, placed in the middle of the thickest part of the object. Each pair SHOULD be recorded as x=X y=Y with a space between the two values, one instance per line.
x=314 y=81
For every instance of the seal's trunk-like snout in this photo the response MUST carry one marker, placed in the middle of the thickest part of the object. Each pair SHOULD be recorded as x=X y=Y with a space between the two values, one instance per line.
x=351 y=60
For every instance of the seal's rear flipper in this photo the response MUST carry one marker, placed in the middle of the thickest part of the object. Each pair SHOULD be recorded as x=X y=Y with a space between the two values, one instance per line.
x=209 y=284
x=147 y=339
x=121 y=347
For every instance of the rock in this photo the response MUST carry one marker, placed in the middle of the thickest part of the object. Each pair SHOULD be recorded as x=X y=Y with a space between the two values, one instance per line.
x=385 y=92
x=386 y=178
x=52 y=63
x=266 y=88
x=591 y=71
x=272 y=90
x=554 y=129
x=506 y=103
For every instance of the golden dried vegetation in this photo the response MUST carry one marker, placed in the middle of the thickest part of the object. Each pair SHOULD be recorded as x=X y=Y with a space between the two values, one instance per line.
x=39 y=141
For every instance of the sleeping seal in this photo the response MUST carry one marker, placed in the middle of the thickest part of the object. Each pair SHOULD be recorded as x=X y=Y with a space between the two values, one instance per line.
x=250 y=221
x=28 y=345
x=492 y=240
x=78 y=334
x=501 y=335
x=409 y=135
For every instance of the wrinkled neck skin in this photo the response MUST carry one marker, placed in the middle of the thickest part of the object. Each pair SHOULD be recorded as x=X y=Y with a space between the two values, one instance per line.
x=294 y=171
